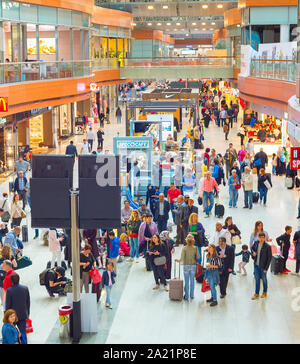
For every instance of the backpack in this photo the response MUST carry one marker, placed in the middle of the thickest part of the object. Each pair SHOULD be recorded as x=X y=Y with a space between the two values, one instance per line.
x=225 y=128
x=257 y=162
x=221 y=172
x=43 y=275
x=2 y=276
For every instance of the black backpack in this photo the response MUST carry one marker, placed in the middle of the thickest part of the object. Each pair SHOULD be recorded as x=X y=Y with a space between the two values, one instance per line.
x=2 y=276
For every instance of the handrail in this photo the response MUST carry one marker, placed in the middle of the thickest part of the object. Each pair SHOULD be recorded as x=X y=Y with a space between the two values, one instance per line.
x=273 y=60
x=274 y=69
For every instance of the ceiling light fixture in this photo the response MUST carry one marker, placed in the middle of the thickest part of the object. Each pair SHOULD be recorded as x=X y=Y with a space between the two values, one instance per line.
x=149 y=24
x=158 y=24
x=165 y=7
x=177 y=23
x=204 y=29
x=193 y=23
x=238 y=25
x=203 y=23
x=150 y=7
x=220 y=6
x=168 y=23
x=204 y=6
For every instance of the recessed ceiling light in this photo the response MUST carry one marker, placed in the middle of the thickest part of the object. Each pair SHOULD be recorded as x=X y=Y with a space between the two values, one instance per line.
x=168 y=23
x=150 y=7
x=158 y=24
x=187 y=35
x=204 y=29
x=183 y=29
x=238 y=25
x=175 y=30
x=149 y=24
x=220 y=6
x=204 y=6
x=203 y=23
x=196 y=29
x=213 y=23
x=211 y=29
x=134 y=24
x=177 y=23
x=165 y=7
x=193 y=23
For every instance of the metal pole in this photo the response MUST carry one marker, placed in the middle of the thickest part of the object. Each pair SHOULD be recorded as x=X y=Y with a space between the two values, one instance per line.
x=76 y=319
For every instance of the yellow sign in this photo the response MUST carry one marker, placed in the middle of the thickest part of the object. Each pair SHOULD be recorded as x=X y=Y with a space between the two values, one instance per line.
x=63 y=319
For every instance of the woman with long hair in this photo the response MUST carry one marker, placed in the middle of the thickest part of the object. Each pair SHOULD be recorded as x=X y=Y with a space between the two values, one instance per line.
x=196 y=229
x=213 y=265
x=133 y=227
x=258 y=228
x=189 y=257
x=17 y=212
x=157 y=253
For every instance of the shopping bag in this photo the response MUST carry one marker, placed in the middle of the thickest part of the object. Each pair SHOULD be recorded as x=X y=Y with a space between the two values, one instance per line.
x=236 y=240
x=199 y=270
x=205 y=286
x=29 y=328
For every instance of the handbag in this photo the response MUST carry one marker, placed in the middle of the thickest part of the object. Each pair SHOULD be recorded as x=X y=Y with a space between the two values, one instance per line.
x=236 y=240
x=23 y=262
x=237 y=187
x=6 y=215
x=267 y=184
x=160 y=261
x=68 y=287
x=199 y=270
x=205 y=286
x=29 y=328
x=23 y=215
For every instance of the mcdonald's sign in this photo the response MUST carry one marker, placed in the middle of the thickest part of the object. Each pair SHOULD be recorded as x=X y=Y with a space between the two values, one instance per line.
x=3 y=104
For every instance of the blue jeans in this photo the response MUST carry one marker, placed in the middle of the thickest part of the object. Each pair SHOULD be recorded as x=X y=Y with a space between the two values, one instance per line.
x=200 y=253
x=134 y=247
x=248 y=198
x=211 y=277
x=299 y=208
x=233 y=196
x=273 y=170
x=173 y=213
x=108 y=292
x=208 y=196
x=189 y=272
x=258 y=275
x=263 y=194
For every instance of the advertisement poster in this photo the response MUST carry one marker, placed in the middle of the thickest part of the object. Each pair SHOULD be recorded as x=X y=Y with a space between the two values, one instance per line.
x=47 y=46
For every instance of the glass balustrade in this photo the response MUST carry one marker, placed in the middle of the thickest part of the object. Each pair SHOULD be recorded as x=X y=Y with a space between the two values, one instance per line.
x=179 y=62
x=274 y=69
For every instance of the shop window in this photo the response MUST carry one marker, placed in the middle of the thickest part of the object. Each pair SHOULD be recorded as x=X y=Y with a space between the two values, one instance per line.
x=11 y=10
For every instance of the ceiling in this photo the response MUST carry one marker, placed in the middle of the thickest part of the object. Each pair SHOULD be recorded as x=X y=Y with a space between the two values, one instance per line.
x=177 y=18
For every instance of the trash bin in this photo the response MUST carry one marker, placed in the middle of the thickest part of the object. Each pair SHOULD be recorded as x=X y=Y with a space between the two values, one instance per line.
x=64 y=312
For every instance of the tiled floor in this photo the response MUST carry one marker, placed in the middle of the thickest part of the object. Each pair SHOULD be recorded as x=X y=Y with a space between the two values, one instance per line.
x=141 y=315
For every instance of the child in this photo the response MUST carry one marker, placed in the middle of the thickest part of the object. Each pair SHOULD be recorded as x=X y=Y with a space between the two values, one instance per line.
x=102 y=253
x=284 y=242
x=274 y=163
x=108 y=280
x=245 y=259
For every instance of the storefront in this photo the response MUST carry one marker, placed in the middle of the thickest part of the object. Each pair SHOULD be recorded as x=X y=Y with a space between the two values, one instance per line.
x=7 y=148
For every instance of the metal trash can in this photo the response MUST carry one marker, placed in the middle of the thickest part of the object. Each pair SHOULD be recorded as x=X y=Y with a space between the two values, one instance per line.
x=64 y=312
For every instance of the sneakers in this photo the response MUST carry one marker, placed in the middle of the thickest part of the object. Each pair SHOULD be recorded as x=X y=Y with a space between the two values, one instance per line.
x=288 y=270
x=130 y=260
x=213 y=304
x=223 y=296
x=136 y=260
x=295 y=274
x=210 y=300
x=245 y=207
x=264 y=295
x=285 y=271
x=108 y=306
x=255 y=297
x=166 y=289
x=156 y=287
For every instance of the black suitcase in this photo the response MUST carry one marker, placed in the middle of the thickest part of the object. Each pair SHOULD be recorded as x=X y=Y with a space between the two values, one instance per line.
x=219 y=210
x=277 y=264
x=255 y=197
x=25 y=233
x=63 y=264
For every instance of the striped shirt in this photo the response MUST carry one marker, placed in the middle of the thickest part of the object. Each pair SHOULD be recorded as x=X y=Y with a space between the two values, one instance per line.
x=213 y=261
x=208 y=185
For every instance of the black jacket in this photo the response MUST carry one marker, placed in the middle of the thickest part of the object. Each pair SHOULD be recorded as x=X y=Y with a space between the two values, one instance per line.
x=284 y=239
x=166 y=210
x=263 y=157
x=71 y=150
x=16 y=186
x=265 y=255
x=18 y=299
x=193 y=210
x=228 y=261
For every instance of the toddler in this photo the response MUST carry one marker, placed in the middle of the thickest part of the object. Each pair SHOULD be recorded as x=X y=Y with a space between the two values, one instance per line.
x=245 y=259
x=108 y=280
x=102 y=253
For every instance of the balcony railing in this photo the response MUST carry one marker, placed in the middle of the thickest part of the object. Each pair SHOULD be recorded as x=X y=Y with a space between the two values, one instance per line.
x=179 y=62
x=275 y=69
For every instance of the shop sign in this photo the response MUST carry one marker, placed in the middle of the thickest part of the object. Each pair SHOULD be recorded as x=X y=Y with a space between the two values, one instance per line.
x=295 y=158
x=94 y=87
x=3 y=104
x=2 y=121
x=132 y=144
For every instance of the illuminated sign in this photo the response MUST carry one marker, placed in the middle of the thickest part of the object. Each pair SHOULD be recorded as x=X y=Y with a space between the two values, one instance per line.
x=295 y=158
x=94 y=87
x=3 y=104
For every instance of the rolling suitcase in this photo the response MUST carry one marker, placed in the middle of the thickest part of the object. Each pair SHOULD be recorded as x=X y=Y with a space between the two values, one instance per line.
x=176 y=286
x=219 y=210
x=297 y=181
x=255 y=197
x=25 y=233
x=277 y=264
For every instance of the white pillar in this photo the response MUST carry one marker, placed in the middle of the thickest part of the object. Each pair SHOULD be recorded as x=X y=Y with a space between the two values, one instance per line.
x=284 y=33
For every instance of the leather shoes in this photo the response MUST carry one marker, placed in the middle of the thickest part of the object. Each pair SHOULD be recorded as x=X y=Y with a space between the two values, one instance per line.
x=223 y=296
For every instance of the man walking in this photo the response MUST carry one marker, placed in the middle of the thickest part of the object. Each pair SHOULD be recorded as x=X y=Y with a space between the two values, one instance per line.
x=71 y=149
x=262 y=255
x=21 y=187
x=90 y=136
x=207 y=187
x=226 y=253
x=161 y=213
x=247 y=183
x=85 y=147
x=230 y=157
x=18 y=299
x=181 y=220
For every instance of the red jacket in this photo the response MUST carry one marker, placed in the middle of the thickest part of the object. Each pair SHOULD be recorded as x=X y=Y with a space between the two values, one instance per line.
x=6 y=281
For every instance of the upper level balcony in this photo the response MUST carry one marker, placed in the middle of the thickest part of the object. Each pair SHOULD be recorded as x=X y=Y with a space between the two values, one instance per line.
x=275 y=69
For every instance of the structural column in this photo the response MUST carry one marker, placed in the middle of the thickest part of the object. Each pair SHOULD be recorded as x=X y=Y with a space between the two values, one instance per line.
x=284 y=33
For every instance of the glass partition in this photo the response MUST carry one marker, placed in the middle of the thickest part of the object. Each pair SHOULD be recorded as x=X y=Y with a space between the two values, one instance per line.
x=283 y=69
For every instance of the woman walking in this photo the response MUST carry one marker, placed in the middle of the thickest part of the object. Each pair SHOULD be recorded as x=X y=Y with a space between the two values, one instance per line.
x=212 y=273
x=264 y=184
x=10 y=334
x=258 y=228
x=87 y=262
x=157 y=254
x=234 y=184
x=235 y=235
x=133 y=227
x=55 y=247
x=197 y=230
x=189 y=257
x=17 y=213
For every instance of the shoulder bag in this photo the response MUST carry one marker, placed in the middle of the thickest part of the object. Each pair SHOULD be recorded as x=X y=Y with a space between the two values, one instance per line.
x=160 y=261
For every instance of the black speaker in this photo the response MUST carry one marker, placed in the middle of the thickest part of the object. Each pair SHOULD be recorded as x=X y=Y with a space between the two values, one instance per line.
x=100 y=192
x=52 y=179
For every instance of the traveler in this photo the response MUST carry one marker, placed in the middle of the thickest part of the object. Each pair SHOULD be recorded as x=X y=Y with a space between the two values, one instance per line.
x=113 y=249
x=21 y=165
x=247 y=183
x=85 y=147
x=133 y=227
x=125 y=215
x=11 y=239
x=189 y=257
x=226 y=254
x=234 y=186
x=87 y=263
x=191 y=208
x=196 y=229
x=284 y=242
x=230 y=157
x=296 y=242
x=260 y=160
x=250 y=147
x=264 y=183
x=147 y=229
x=21 y=187
x=262 y=255
x=91 y=234
x=55 y=247
x=235 y=234
x=100 y=134
x=238 y=171
x=245 y=259
x=18 y=299
x=10 y=334
x=213 y=265
x=161 y=212
x=188 y=182
x=90 y=136
x=221 y=232
x=17 y=213
x=242 y=153
x=108 y=280
x=157 y=250
x=169 y=250
x=223 y=116
x=258 y=228
x=181 y=220
x=241 y=133
x=119 y=115
x=143 y=208
x=71 y=149
x=207 y=187
x=101 y=118
x=55 y=281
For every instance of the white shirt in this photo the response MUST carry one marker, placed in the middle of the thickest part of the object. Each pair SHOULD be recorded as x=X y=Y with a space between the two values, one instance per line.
x=5 y=206
x=90 y=135
x=85 y=148
x=222 y=234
